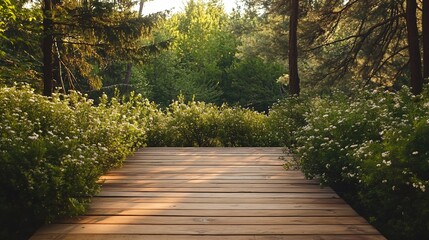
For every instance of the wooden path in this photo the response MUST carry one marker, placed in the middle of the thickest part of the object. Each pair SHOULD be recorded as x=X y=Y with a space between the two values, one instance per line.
x=213 y=194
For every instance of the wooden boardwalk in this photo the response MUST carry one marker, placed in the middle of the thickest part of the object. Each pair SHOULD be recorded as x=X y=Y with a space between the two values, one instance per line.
x=213 y=194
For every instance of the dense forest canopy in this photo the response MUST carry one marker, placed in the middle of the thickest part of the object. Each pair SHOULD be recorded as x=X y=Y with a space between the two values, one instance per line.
x=250 y=56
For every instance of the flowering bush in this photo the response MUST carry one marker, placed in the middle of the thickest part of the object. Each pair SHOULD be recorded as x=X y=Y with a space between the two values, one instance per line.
x=335 y=127
x=374 y=149
x=52 y=152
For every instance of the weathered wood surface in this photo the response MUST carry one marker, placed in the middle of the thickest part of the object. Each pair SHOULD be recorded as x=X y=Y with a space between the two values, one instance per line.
x=211 y=194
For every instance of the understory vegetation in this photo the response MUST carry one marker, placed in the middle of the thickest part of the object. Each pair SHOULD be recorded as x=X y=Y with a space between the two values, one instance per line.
x=369 y=145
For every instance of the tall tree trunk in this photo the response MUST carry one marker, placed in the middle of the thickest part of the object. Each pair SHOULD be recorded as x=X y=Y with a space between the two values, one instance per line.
x=47 y=44
x=425 y=38
x=414 y=48
x=294 y=88
x=141 y=7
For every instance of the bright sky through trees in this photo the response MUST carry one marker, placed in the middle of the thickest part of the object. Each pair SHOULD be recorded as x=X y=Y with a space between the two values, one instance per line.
x=177 y=5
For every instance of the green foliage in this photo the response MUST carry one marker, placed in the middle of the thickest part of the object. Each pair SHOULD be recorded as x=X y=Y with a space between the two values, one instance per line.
x=243 y=128
x=19 y=44
x=373 y=148
x=7 y=11
x=206 y=125
x=285 y=118
x=202 y=49
x=52 y=152
x=252 y=83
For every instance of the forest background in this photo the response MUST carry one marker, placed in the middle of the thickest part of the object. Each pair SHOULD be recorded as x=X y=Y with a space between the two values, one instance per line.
x=203 y=52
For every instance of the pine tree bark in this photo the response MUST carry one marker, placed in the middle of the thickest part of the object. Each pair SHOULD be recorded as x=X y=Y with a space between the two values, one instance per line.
x=47 y=45
x=294 y=82
x=416 y=82
x=425 y=39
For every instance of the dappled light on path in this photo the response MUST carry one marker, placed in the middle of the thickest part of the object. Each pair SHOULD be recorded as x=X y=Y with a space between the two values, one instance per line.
x=211 y=193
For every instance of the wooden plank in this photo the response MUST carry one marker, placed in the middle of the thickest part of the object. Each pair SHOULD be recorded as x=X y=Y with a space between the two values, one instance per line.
x=199 y=169
x=156 y=220
x=183 y=156
x=220 y=159
x=203 y=237
x=222 y=212
x=216 y=200
x=212 y=206
x=222 y=190
x=206 y=229
x=210 y=195
x=144 y=163
x=136 y=175
x=213 y=181
x=212 y=185
x=213 y=158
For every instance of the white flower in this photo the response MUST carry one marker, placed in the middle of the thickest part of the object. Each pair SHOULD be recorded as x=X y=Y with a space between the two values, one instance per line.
x=385 y=154
x=35 y=136
x=415 y=153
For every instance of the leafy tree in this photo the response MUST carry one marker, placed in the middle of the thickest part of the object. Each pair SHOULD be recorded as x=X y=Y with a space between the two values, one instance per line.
x=19 y=44
x=7 y=13
x=202 y=48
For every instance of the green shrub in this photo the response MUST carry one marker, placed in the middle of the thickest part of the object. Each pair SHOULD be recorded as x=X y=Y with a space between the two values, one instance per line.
x=374 y=148
x=195 y=122
x=199 y=124
x=335 y=127
x=52 y=152
x=285 y=118
x=242 y=128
